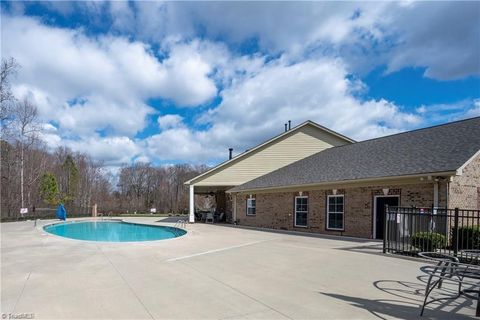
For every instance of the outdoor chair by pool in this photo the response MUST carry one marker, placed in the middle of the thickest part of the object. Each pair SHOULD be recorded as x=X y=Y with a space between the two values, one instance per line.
x=198 y=215
x=448 y=269
x=219 y=217
x=209 y=217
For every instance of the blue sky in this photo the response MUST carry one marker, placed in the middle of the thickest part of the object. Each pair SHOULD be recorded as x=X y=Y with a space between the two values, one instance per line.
x=173 y=82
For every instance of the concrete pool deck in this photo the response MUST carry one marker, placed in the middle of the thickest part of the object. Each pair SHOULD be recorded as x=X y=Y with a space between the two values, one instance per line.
x=214 y=272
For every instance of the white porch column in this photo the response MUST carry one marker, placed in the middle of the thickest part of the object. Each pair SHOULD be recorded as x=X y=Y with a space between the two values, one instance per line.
x=435 y=196
x=191 y=216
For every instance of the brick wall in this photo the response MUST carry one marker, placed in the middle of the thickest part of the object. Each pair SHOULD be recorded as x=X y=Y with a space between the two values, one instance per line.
x=464 y=189
x=276 y=210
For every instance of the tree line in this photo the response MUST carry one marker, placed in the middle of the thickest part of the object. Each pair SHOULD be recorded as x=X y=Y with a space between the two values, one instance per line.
x=39 y=179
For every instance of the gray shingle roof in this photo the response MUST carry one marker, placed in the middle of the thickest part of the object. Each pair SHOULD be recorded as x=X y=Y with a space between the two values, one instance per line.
x=441 y=148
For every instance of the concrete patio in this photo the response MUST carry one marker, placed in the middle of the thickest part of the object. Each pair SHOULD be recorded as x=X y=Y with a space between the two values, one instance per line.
x=214 y=272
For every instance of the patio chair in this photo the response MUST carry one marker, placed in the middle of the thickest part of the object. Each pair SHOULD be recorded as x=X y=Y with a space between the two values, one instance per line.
x=219 y=217
x=209 y=217
x=198 y=215
x=466 y=276
x=443 y=261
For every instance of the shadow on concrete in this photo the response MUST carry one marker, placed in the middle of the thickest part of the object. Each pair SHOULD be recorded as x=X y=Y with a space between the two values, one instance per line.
x=387 y=309
x=371 y=248
x=301 y=234
x=410 y=290
x=377 y=249
x=173 y=219
x=407 y=298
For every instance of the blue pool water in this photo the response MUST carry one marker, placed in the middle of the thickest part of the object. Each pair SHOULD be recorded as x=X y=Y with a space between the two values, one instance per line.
x=113 y=231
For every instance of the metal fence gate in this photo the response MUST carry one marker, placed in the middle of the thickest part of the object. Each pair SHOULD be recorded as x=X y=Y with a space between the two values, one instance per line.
x=409 y=230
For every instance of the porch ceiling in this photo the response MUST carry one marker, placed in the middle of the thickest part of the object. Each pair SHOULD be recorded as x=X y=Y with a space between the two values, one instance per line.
x=208 y=189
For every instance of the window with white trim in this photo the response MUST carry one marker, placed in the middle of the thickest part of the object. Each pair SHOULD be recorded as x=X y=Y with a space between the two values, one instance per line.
x=335 y=212
x=301 y=211
x=251 y=207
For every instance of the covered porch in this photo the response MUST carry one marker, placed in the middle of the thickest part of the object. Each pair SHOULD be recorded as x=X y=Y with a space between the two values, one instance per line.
x=214 y=199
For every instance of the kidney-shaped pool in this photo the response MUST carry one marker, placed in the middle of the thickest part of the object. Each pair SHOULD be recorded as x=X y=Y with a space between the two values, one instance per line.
x=113 y=231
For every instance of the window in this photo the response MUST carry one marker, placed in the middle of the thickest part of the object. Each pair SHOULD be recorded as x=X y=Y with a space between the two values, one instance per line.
x=301 y=211
x=335 y=212
x=251 y=207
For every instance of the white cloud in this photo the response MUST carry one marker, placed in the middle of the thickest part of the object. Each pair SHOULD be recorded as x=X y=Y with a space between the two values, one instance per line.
x=95 y=89
x=189 y=77
x=169 y=121
x=110 y=150
x=88 y=85
x=439 y=36
x=49 y=135
x=443 y=37
x=256 y=108
x=474 y=111
x=447 y=112
x=180 y=144
x=122 y=16
x=59 y=65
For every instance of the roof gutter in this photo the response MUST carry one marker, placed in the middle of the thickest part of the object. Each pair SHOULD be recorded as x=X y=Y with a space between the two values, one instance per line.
x=346 y=182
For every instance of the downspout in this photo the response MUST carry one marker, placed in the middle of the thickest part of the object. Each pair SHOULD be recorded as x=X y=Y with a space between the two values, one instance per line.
x=435 y=196
x=435 y=204
x=447 y=194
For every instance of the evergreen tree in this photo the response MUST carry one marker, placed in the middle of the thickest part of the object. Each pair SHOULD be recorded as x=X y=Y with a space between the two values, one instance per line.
x=49 y=189
x=71 y=175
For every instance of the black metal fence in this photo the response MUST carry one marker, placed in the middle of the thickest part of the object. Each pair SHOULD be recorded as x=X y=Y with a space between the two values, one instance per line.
x=411 y=230
x=77 y=212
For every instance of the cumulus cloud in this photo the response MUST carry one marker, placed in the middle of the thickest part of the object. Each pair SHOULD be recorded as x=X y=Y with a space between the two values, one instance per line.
x=90 y=85
x=96 y=89
x=256 y=108
x=474 y=111
x=110 y=150
x=65 y=64
x=443 y=37
x=170 y=121
x=181 y=143
x=439 y=36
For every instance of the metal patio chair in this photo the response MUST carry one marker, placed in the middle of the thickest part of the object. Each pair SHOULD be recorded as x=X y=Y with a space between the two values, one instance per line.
x=465 y=276
x=442 y=260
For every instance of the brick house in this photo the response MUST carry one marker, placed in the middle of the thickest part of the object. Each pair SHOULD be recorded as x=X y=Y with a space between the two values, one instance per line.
x=343 y=189
x=291 y=145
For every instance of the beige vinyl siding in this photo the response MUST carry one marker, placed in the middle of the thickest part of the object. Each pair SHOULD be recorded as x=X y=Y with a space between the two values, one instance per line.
x=300 y=144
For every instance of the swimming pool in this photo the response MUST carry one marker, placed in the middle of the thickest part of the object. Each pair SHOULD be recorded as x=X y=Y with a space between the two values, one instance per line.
x=113 y=231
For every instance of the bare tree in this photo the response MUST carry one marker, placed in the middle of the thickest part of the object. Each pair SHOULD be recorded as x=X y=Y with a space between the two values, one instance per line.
x=26 y=129
x=8 y=68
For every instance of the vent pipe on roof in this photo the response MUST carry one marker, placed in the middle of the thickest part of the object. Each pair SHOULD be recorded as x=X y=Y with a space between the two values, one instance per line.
x=289 y=124
x=286 y=127
x=230 y=151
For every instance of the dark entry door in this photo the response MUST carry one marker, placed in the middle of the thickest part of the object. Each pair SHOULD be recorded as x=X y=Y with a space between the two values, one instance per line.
x=380 y=213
